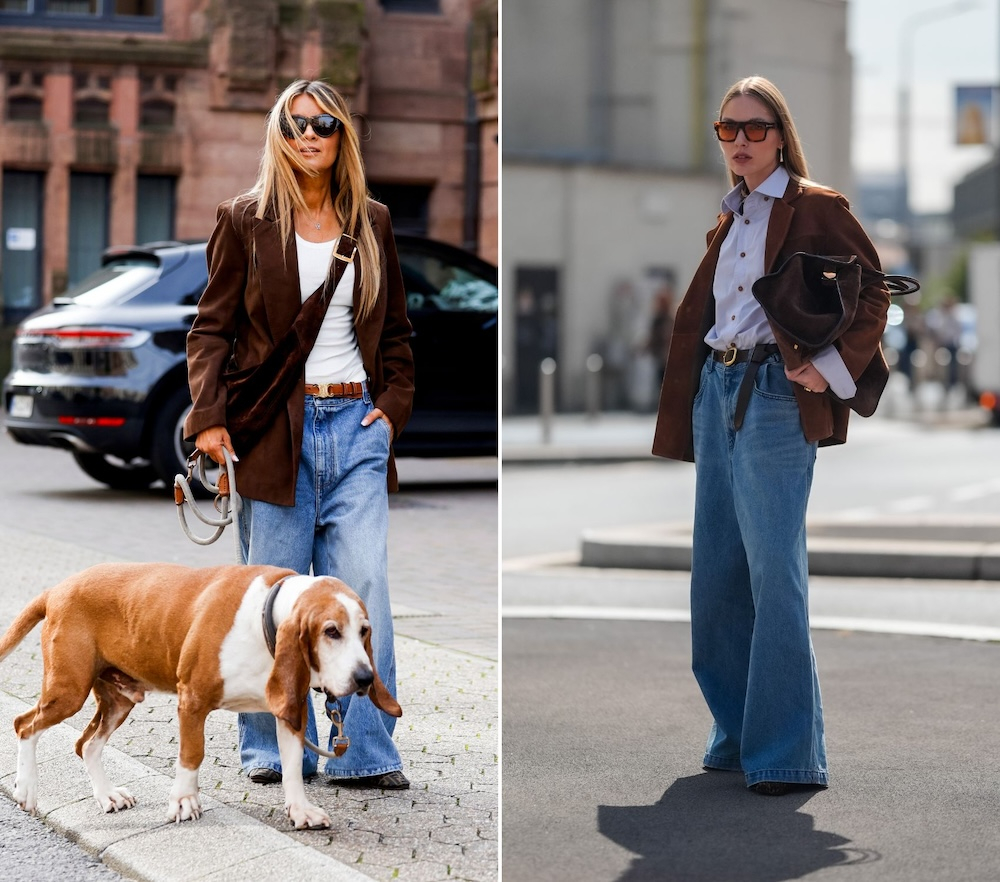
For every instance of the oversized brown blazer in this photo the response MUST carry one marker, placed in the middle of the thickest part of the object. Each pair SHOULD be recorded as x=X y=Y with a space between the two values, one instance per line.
x=252 y=298
x=807 y=218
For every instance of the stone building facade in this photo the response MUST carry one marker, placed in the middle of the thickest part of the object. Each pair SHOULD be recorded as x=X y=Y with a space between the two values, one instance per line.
x=128 y=121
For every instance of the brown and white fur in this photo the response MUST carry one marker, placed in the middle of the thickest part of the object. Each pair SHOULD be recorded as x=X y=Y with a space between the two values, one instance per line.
x=121 y=630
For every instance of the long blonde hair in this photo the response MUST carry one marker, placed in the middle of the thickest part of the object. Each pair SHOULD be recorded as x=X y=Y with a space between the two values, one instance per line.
x=277 y=189
x=770 y=96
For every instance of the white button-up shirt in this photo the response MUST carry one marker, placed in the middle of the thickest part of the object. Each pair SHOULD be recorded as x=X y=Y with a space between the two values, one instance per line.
x=740 y=320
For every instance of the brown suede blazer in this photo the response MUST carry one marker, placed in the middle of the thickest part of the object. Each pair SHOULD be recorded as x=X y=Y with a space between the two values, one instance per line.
x=252 y=298
x=807 y=218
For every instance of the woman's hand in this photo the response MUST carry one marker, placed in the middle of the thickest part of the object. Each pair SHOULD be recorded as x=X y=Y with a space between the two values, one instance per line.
x=808 y=377
x=376 y=414
x=212 y=441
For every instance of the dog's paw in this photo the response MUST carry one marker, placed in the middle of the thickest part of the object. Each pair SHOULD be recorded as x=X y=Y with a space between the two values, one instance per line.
x=26 y=796
x=305 y=815
x=184 y=808
x=114 y=799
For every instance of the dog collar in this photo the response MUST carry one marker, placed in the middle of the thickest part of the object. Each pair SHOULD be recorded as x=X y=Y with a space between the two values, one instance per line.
x=267 y=616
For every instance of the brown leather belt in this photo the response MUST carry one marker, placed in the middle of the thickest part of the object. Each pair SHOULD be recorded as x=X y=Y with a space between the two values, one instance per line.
x=336 y=390
x=761 y=352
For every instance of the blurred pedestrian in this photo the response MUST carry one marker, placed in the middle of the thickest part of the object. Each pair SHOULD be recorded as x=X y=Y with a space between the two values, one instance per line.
x=661 y=325
x=620 y=345
x=754 y=452
x=315 y=486
x=945 y=329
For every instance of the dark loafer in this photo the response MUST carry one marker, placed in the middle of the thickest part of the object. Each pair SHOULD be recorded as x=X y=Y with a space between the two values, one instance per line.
x=771 y=788
x=388 y=781
x=264 y=776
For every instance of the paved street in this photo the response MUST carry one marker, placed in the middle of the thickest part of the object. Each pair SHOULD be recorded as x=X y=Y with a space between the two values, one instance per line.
x=604 y=726
x=443 y=562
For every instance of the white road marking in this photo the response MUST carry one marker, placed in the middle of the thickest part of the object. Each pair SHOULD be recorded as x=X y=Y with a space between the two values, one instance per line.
x=826 y=623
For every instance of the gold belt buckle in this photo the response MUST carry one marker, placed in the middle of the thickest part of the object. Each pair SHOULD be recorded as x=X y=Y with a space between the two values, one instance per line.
x=729 y=356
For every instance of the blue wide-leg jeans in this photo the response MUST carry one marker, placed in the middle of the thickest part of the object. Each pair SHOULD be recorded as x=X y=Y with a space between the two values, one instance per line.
x=339 y=526
x=752 y=653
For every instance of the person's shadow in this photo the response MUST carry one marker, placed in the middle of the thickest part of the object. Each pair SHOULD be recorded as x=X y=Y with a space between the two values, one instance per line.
x=710 y=828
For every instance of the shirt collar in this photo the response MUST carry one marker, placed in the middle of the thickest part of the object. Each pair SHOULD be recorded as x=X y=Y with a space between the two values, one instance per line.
x=774 y=186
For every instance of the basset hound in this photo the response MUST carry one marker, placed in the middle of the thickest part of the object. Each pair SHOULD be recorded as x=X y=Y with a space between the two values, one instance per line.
x=122 y=629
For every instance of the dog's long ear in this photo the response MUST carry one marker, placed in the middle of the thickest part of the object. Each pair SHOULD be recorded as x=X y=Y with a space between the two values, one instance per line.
x=287 y=688
x=379 y=695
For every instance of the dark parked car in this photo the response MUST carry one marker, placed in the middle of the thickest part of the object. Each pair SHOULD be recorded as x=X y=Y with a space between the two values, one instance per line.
x=101 y=371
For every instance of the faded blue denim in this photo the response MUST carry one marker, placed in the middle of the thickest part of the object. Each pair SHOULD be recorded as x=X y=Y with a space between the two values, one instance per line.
x=752 y=652
x=338 y=526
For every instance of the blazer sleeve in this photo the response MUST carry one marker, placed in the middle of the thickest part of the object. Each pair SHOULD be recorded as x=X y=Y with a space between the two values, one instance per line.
x=396 y=397
x=210 y=340
x=859 y=342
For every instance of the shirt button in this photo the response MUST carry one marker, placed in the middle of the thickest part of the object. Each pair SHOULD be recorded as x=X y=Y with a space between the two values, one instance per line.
x=732 y=318
x=746 y=221
x=767 y=198
x=740 y=288
x=743 y=254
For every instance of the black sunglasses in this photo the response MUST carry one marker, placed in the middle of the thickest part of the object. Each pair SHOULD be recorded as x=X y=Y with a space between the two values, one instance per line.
x=325 y=125
x=754 y=129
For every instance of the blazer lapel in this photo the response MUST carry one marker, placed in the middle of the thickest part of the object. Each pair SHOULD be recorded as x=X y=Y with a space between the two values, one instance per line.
x=779 y=224
x=277 y=267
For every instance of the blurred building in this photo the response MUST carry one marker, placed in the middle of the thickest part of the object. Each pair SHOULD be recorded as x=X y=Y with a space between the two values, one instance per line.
x=976 y=210
x=128 y=121
x=612 y=174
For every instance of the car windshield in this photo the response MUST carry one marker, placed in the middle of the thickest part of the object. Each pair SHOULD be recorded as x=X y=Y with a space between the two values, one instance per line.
x=114 y=283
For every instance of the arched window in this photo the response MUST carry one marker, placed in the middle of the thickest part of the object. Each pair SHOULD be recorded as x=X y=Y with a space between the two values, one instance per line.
x=24 y=108
x=91 y=112
x=156 y=113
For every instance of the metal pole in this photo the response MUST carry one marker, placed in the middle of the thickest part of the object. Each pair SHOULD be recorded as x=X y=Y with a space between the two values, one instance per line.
x=595 y=365
x=547 y=396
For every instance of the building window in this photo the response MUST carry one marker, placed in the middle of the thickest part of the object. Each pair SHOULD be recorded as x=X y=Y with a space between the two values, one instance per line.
x=127 y=15
x=24 y=108
x=24 y=96
x=156 y=115
x=72 y=7
x=145 y=8
x=411 y=5
x=408 y=205
x=91 y=113
x=157 y=100
x=155 y=208
x=89 y=204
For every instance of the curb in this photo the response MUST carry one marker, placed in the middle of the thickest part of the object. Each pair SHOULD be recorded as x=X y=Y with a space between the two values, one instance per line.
x=140 y=843
x=668 y=547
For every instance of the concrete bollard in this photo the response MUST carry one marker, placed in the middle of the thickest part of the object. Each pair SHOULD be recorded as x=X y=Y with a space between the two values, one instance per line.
x=594 y=364
x=547 y=396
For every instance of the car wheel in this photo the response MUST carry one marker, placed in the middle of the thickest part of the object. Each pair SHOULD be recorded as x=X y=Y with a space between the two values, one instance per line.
x=169 y=451
x=114 y=473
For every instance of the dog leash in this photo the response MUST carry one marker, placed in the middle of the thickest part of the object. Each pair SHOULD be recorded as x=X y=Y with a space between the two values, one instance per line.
x=228 y=503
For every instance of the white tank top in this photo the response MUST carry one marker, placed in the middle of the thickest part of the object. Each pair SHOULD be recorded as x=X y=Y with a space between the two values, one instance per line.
x=335 y=358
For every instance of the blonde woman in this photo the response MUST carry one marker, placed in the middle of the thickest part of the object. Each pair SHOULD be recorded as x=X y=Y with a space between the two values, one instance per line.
x=749 y=407
x=315 y=486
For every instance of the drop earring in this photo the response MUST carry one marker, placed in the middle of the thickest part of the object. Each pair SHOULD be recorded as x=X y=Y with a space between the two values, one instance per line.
x=781 y=154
